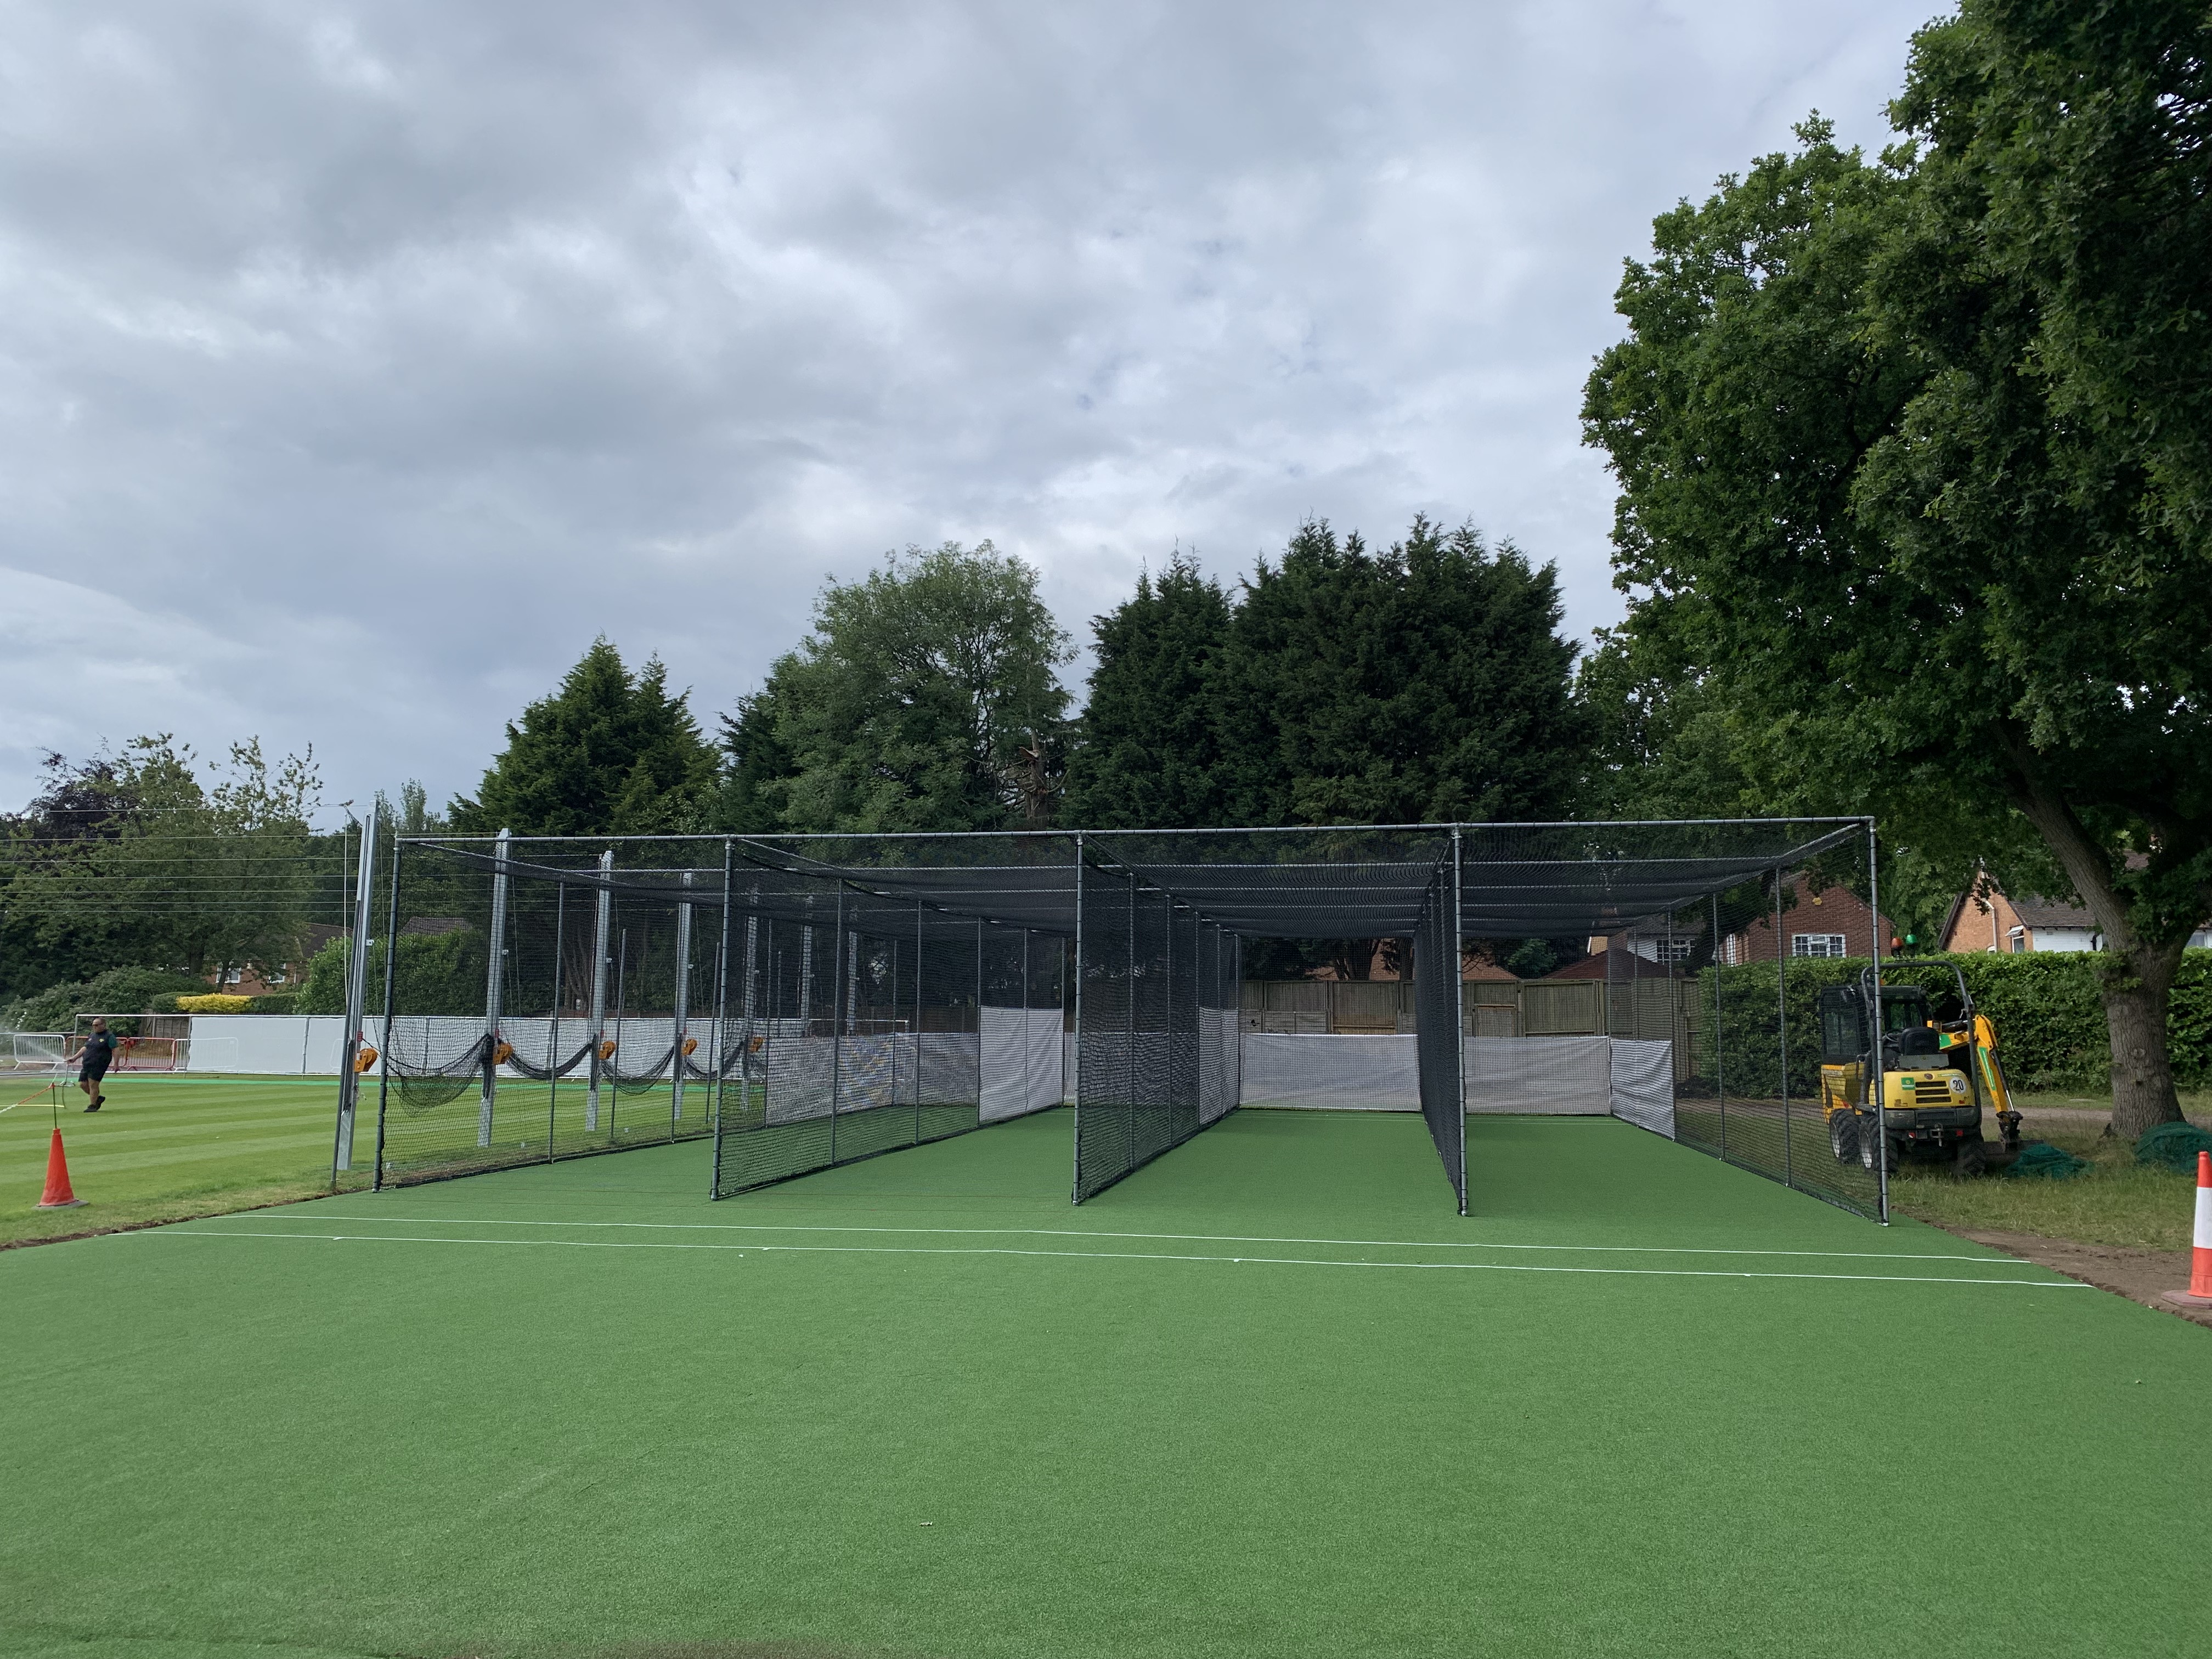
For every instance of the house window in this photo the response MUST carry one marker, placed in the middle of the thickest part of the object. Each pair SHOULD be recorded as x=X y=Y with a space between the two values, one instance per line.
x=2017 y=941
x=1816 y=944
x=1672 y=950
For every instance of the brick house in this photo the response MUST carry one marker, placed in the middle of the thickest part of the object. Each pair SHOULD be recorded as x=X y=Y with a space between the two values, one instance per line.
x=1833 y=922
x=257 y=979
x=1984 y=919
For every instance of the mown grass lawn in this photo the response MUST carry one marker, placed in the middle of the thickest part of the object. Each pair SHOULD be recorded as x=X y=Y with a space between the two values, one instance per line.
x=2118 y=1202
x=169 y=1148
x=164 y=1149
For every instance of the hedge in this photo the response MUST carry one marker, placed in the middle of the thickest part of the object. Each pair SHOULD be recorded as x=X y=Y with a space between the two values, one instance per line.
x=117 y=991
x=434 y=974
x=2049 y=1015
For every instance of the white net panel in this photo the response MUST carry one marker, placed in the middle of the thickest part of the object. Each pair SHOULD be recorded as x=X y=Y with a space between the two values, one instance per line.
x=1644 y=1084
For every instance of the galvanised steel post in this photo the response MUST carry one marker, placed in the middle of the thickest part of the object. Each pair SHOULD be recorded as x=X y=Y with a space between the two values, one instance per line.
x=603 y=923
x=356 y=1001
x=495 y=984
x=683 y=1009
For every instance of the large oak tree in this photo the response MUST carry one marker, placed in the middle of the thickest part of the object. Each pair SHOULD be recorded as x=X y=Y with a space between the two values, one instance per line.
x=1915 y=460
x=925 y=698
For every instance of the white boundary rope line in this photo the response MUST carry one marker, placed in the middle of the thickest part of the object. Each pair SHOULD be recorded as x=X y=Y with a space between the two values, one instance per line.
x=1084 y=1255
x=1170 y=1239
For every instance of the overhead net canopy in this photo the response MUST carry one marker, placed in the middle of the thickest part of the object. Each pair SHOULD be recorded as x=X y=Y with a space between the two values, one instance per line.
x=813 y=1000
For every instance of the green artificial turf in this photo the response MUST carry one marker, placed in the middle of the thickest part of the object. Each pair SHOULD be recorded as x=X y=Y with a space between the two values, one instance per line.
x=966 y=1419
x=164 y=1148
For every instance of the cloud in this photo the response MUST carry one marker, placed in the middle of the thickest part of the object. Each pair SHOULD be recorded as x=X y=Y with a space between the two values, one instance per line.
x=362 y=363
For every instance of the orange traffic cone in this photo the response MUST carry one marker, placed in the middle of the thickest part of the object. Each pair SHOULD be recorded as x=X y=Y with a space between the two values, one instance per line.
x=2199 y=1293
x=58 y=1195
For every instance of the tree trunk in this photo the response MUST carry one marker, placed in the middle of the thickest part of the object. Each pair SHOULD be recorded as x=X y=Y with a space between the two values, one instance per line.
x=1355 y=958
x=2135 y=976
x=2136 y=985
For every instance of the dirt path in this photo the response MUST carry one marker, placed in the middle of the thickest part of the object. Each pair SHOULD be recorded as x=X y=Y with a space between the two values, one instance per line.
x=2139 y=1275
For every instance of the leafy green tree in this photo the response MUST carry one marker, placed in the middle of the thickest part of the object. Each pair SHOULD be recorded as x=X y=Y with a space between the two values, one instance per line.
x=77 y=807
x=1152 y=753
x=1664 y=743
x=2063 y=444
x=175 y=873
x=1426 y=683
x=610 y=752
x=925 y=698
x=1913 y=460
x=433 y=974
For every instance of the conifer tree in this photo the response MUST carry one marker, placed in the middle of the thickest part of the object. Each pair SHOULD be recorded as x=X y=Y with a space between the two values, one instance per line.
x=1151 y=755
x=609 y=753
x=1424 y=683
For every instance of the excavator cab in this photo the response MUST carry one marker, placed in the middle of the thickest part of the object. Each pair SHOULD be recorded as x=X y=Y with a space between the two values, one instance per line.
x=1906 y=1085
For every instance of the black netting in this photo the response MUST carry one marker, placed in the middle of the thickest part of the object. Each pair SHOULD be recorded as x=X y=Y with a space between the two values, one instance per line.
x=861 y=1031
x=1105 y=1025
x=815 y=999
x=1711 y=1046
x=1155 y=1021
x=542 y=1014
x=1219 y=957
x=1438 y=1024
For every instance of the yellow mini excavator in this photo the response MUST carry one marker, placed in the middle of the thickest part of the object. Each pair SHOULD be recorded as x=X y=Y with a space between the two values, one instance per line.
x=1904 y=1084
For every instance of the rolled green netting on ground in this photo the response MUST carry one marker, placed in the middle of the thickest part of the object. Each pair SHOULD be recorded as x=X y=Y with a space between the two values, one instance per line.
x=2040 y=1160
x=2173 y=1146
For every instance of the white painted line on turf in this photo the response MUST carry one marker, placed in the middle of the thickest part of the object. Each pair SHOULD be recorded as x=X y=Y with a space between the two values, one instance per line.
x=1167 y=1238
x=1081 y=1256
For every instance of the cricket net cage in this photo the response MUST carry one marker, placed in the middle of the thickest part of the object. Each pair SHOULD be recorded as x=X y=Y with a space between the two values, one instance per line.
x=806 y=1001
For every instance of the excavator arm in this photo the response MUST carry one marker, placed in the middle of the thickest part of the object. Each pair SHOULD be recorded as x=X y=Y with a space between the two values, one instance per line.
x=1981 y=1034
x=1977 y=1034
x=1992 y=1068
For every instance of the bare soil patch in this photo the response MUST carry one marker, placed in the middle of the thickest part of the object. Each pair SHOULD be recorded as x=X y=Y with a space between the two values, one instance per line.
x=2139 y=1275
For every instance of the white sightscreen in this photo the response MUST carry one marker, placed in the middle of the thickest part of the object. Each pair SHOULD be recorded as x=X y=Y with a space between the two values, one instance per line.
x=1559 y=1076
x=1563 y=1076
x=1370 y=1074
x=289 y=1045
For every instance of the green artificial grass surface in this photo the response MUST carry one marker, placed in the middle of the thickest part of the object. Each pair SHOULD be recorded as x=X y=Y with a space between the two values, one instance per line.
x=425 y=1422
x=164 y=1147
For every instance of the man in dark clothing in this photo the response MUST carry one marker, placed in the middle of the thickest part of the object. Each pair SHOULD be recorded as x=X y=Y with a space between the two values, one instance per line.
x=92 y=1064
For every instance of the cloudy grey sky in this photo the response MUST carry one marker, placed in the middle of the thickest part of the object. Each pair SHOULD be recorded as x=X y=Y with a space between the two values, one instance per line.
x=359 y=363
